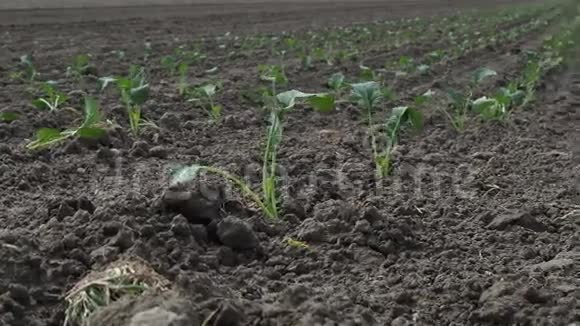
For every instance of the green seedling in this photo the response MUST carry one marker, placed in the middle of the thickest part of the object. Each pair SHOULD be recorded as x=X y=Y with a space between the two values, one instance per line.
x=51 y=99
x=26 y=72
x=268 y=200
x=182 y=84
x=190 y=56
x=530 y=79
x=204 y=95
x=423 y=69
x=461 y=102
x=8 y=116
x=405 y=65
x=306 y=61
x=336 y=82
x=501 y=104
x=80 y=67
x=274 y=74
x=368 y=95
x=170 y=63
x=400 y=116
x=367 y=74
x=337 y=85
x=435 y=56
x=134 y=92
x=90 y=128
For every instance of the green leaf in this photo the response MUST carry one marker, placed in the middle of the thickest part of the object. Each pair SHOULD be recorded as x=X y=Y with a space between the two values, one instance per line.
x=124 y=83
x=482 y=73
x=92 y=113
x=517 y=97
x=367 y=73
x=288 y=98
x=185 y=175
x=423 y=69
x=90 y=132
x=140 y=94
x=272 y=73
x=487 y=107
x=182 y=69
x=41 y=104
x=405 y=61
x=216 y=111
x=209 y=90
x=169 y=62
x=458 y=99
x=322 y=103
x=367 y=94
x=46 y=137
x=422 y=99
x=336 y=81
x=46 y=134
x=415 y=117
x=8 y=116
x=404 y=114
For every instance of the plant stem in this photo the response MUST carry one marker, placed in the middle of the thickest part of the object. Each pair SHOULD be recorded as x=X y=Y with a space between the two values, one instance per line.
x=269 y=164
x=373 y=139
x=244 y=188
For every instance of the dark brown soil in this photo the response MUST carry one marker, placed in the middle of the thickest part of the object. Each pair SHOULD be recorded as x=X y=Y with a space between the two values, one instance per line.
x=472 y=228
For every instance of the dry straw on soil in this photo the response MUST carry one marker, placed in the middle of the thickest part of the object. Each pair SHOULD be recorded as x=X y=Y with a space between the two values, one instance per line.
x=128 y=277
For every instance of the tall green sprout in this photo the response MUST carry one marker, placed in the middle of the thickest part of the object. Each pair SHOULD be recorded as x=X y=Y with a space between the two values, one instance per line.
x=134 y=91
x=89 y=128
x=368 y=95
x=461 y=102
x=268 y=200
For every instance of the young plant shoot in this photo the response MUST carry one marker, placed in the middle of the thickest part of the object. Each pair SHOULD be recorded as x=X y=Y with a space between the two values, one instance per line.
x=134 y=93
x=499 y=106
x=337 y=84
x=51 y=99
x=268 y=200
x=26 y=70
x=182 y=85
x=204 y=95
x=368 y=95
x=90 y=128
x=81 y=66
x=461 y=102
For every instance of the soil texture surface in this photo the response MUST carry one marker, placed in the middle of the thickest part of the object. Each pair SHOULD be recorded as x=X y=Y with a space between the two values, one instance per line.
x=478 y=227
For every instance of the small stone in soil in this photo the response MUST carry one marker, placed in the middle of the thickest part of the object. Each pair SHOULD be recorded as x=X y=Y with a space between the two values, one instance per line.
x=111 y=228
x=311 y=231
x=198 y=208
x=19 y=293
x=236 y=234
x=226 y=256
x=524 y=220
x=159 y=152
